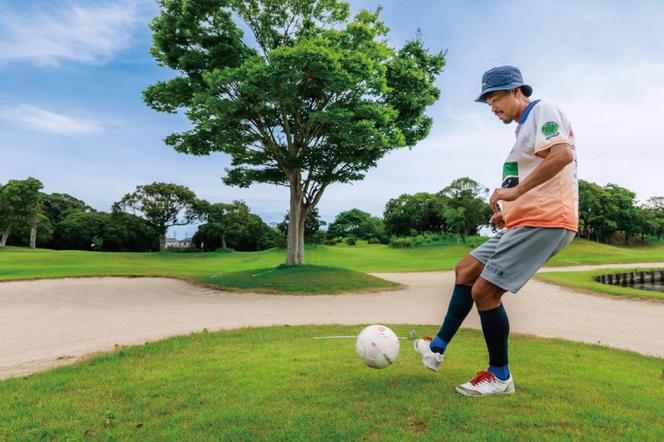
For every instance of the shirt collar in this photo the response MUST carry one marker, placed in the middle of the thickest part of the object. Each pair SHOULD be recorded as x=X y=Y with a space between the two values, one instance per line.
x=527 y=111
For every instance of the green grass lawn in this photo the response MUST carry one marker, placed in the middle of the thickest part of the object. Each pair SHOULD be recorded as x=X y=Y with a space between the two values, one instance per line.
x=217 y=268
x=17 y=263
x=303 y=279
x=278 y=384
x=584 y=280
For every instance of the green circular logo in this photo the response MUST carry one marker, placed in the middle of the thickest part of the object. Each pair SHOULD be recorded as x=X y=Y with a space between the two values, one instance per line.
x=550 y=129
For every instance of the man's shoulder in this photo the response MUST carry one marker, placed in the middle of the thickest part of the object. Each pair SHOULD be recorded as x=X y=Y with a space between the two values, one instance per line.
x=545 y=106
x=549 y=111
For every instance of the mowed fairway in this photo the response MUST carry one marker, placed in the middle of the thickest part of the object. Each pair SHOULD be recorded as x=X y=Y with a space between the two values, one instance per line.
x=278 y=384
x=20 y=263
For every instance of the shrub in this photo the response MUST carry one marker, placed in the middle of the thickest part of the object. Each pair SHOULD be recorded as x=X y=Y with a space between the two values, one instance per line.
x=351 y=241
x=401 y=242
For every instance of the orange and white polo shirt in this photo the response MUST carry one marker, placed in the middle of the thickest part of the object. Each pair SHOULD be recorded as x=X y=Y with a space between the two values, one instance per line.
x=554 y=203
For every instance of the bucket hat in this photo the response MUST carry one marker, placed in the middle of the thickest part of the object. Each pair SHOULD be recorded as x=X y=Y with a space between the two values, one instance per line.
x=503 y=78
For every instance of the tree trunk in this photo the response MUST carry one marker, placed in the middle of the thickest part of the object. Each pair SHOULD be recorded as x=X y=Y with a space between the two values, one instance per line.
x=5 y=235
x=295 y=254
x=223 y=241
x=33 y=232
x=162 y=242
x=300 y=251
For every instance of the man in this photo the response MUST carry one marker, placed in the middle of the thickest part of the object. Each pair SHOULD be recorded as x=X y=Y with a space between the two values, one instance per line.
x=539 y=198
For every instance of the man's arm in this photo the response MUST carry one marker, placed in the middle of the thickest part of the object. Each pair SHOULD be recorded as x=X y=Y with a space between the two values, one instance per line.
x=557 y=157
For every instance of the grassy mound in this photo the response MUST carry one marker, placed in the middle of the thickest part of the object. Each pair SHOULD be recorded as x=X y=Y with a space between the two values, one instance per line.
x=300 y=279
x=584 y=280
x=278 y=384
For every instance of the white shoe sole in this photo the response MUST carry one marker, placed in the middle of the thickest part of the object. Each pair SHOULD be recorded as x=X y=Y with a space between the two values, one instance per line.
x=425 y=360
x=473 y=393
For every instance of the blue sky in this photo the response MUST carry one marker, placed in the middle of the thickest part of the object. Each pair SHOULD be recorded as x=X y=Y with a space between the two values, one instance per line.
x=71 y=112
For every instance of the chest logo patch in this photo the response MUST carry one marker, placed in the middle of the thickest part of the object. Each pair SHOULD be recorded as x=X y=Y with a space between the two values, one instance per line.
x=510 y=174
x=550 y=129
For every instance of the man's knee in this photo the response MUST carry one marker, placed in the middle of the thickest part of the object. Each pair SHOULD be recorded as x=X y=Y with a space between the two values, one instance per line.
x=486 y=295
x=468 y=270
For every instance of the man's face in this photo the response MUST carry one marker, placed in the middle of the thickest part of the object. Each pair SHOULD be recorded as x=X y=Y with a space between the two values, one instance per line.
x=505 y=105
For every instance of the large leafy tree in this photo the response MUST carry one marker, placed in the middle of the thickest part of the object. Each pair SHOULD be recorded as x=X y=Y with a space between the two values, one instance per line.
x=104 y=231
x=422 y=212
x=308 y=98
x=233 y=225
x=19 y=204
x=654 y=213
x=357 y=224
x=56 y=206
x=467 y=208
x=163 y=205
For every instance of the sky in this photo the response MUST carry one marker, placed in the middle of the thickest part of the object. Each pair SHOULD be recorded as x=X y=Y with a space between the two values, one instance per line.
x=72 y=114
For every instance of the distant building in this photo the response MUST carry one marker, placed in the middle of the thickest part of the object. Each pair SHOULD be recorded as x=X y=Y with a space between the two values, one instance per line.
x=174 y=242
x=185 y=242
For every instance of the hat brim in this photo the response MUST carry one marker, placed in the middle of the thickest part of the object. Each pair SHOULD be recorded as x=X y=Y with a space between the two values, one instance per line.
x=526 y=89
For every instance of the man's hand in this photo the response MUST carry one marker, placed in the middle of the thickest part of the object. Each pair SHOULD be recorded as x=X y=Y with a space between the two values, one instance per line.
x=498 y=220
x=503 y=195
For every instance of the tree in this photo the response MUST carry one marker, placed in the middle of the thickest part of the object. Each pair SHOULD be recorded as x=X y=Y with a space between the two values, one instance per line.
x=234 y=226
x=319 y=100
x=43 y=231
x=56 y=206
x=467 y=207
x=422 y=212
x=19 y=204
x=163 y=205
x=654 y=213
x=349 y=224
x=105 y=231
x=627 y=217
x=312 y=226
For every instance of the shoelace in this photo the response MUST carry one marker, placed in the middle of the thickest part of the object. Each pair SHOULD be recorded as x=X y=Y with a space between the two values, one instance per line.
x=483 y=376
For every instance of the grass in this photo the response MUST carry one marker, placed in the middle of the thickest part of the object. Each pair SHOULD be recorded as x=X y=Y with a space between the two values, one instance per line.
x=21 y=263
x=217 y=268
x=584 y=280
x=300 y=279
x=278 y=384
x=590 y=252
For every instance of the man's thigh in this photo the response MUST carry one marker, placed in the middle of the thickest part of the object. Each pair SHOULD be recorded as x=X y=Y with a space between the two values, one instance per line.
x=520 y=252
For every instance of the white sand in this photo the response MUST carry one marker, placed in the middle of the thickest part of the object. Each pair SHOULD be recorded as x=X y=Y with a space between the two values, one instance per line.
x=47 y=323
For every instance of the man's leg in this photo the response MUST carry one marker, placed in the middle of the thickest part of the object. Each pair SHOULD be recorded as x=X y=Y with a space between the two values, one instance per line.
x=496 y=329
x=467 y=271
x=495 y=325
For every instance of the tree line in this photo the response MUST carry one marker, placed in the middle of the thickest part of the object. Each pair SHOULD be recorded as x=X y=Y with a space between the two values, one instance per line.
x=140 y=220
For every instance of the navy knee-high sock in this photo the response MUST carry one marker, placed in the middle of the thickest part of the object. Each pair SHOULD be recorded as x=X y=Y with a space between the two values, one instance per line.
x=496 y=329
x=460 y=305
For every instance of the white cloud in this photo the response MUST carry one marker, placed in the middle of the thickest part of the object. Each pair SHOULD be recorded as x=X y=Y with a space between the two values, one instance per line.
x=35 y=118
x=67 y=30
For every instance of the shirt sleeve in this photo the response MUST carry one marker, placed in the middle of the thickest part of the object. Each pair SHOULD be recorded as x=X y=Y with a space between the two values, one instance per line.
x=550 y=126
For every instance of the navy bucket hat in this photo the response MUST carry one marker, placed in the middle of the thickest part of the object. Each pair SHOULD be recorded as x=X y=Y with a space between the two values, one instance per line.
x=503 y=78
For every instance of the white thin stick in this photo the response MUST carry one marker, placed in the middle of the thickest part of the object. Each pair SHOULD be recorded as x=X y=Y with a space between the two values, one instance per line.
x=334 y=337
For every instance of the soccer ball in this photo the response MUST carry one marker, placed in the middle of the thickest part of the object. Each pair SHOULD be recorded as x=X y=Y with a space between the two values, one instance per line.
x=377 y=346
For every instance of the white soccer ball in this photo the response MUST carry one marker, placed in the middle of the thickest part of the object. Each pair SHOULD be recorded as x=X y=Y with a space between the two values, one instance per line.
x=377 y=346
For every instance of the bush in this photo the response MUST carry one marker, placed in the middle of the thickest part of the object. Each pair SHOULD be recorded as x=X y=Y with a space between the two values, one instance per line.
x=351 y=241
x=374 y=241
x=399 y=243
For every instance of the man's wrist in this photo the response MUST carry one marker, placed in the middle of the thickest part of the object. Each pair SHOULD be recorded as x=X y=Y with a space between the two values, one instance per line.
x=519 y=190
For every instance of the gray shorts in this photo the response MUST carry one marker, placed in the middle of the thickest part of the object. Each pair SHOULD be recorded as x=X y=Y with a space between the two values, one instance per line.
x=512 y=257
